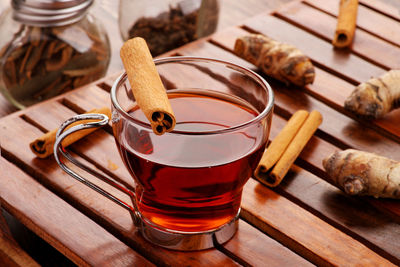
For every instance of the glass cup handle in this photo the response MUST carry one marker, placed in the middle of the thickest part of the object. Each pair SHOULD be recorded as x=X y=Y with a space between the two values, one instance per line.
x=62 y=133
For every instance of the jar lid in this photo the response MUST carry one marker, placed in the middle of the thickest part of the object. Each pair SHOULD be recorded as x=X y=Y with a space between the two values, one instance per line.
x=45 y=13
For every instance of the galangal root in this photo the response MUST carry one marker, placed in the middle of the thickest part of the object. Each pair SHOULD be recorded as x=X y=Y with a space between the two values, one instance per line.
x=363 y=173
x=376 y=97
x=281 y=61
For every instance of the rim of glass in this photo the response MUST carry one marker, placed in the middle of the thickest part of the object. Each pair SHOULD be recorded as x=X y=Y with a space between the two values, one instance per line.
x=252 y=74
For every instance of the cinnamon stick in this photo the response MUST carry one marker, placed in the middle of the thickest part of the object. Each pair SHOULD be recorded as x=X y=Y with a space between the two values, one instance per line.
x=43 y=146
x=286 y=147
x=346 y=23
x=147 y=86
x=281 y=142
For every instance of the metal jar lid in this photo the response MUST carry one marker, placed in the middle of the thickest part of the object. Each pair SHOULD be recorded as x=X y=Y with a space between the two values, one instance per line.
x=44 y=13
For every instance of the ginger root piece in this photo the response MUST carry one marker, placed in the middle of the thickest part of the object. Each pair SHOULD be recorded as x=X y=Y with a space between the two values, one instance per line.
x=281 y=61
x=376 y=97
x=363 y=173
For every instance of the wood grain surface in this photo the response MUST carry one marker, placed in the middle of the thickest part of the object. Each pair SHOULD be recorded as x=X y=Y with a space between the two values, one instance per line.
x=11 y=254
x=306 y=220
x=59 y=221
x=107 y=11
x=231 y=13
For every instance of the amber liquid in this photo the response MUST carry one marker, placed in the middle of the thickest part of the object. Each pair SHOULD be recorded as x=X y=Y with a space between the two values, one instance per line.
x=193 y=183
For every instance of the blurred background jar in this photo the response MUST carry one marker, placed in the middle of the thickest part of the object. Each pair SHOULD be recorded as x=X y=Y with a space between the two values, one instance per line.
x=48 y=48
x=167 y=24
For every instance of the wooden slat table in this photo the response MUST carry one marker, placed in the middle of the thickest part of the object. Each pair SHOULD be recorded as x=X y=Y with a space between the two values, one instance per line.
x=304 y=221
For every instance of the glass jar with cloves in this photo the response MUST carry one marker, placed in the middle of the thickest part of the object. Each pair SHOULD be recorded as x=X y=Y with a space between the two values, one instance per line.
x=48 y=48
x=167 y=24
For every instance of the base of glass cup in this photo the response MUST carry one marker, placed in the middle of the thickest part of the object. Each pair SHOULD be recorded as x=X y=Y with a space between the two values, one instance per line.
x=185 y=241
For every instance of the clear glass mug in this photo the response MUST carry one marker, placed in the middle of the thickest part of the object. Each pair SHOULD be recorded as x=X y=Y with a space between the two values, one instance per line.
x=189 y=181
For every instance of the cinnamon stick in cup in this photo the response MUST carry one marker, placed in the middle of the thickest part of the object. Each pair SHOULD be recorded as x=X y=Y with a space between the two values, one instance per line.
x=43 y=146
x=346 y=23
x=147 y=86
x=286 y=147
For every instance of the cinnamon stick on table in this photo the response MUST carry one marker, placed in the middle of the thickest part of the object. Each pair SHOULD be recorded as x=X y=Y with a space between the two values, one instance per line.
x=43 y=146
x=147 y=86
x=282 y=141
x=346 y=23
x=286 y=147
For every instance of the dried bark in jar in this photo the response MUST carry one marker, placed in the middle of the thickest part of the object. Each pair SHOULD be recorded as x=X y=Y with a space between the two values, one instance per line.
x=38 y=62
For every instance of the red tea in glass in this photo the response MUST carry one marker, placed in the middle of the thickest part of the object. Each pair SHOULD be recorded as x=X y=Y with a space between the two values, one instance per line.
x=193 y=183
x=189 y=181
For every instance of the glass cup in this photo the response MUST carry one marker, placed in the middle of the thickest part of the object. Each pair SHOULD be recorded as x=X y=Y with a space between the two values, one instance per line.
x=189 y=181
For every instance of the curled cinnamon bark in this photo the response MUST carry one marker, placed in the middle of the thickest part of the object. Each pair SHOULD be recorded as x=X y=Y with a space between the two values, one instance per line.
x=42 y=147
x=286 y=147
x=346 y=23
x=147 y=87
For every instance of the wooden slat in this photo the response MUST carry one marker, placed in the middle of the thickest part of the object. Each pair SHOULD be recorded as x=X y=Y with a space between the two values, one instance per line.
x=346 y=132
x=368 y=46
x=330 y=89
x=308 y=235
x=367 y=19
x=257 y=249
x=253 y=253
x=244 y=254
x=386 y=8
x=335 y=124
x=89 y=148
x=233 y=12
x=40 y=119
x=311 y=149
x=11 y=254
x=390 y=205
x=201 y=49
x=62 y=226
x=93 y=96
x=108 y=214
x=358 y=219
x=50 y=174
x=339 y=62
x=359 y=234
x=326 y=87
x=334 y=91
x=4 y=229
x=317 y=149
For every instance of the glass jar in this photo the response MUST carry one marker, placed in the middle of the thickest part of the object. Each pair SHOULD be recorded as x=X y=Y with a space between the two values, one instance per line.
x=167 y=24
x=48 y=48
